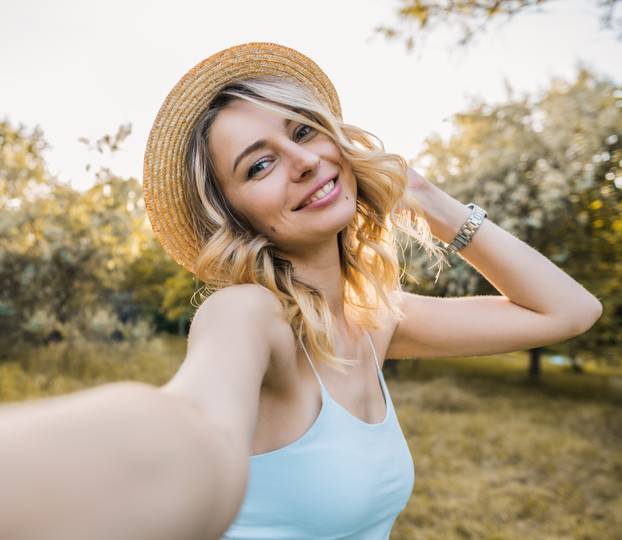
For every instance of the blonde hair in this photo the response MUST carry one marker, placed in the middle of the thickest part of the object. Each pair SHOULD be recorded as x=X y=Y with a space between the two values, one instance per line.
x=232 y=252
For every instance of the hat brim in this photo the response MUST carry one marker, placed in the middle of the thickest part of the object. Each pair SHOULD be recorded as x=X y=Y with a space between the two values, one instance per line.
x=164 y=158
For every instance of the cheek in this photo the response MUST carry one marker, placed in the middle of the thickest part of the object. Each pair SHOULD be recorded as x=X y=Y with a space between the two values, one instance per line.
x=348 y=179
x=268 y=204
x=334 y=154
x=264 y=209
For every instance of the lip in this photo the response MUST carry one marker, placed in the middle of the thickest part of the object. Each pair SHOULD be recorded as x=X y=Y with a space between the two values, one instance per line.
x=317 y=186
x=325 y=200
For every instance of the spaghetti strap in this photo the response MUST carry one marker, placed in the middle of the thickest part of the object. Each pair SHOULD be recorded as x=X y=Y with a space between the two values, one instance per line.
x=315 y=371
x=374 y=350
x=310 y=362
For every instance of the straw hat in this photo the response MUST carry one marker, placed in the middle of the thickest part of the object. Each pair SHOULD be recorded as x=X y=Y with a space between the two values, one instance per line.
x=166 y=146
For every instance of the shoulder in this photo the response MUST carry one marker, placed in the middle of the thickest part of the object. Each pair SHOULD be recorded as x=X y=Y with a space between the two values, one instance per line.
x=264 y=307
x=244 y=300
x=248 y=290
x=249 y=306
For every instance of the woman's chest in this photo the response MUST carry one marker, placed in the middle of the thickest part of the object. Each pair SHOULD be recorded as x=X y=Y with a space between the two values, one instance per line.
x=290 y=399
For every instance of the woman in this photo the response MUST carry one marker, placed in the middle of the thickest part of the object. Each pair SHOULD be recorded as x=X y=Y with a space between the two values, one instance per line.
x=284 y=425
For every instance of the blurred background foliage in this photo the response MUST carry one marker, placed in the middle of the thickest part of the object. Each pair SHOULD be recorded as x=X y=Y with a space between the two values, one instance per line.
x=548 y=169
x=416 y=20
x=78 y=265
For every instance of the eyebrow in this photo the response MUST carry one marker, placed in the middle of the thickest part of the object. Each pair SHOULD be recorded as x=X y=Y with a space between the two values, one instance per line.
x=257 y=145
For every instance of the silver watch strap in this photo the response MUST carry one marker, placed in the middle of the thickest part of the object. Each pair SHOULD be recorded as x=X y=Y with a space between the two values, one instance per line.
x=468 y=229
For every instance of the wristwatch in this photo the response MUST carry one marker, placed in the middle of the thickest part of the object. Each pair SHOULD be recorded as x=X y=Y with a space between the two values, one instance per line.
x=468 y=229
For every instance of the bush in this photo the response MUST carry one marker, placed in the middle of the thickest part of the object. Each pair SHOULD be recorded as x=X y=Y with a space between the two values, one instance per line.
x=91 y=324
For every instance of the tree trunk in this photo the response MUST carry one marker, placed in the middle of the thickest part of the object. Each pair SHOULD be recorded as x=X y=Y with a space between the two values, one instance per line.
x=534 y=362
x=390 y=367
x=182 y=329
x=575 y=363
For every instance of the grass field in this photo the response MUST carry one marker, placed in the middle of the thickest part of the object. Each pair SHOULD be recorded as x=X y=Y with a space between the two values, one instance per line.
x=499 y=458
x=496 y=456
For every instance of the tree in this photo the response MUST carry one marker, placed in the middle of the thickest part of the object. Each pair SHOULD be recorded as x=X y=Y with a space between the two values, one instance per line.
x=24 y=178
x=79 y=265
x=178 y=289
x=23 y=173
x=473 y=16
x=159 y=288
x=548 y=170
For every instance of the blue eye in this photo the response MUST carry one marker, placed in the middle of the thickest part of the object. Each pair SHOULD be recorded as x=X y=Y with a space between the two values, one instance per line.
x=251 y=171
x=254 y=168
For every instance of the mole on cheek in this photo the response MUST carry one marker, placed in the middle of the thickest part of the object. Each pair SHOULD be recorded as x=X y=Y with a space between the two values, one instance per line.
x=272 y=228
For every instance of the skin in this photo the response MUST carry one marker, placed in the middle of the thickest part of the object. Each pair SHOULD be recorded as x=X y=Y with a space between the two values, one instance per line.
x=284 y=171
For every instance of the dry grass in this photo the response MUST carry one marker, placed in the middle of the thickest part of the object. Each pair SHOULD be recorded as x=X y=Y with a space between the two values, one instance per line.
x=496 y=458
x=61 y=368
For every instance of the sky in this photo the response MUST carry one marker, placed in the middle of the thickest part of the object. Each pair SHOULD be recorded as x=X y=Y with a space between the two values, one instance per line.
x=82 y=69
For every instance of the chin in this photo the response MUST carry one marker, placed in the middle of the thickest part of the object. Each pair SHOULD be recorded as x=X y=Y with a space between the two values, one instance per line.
x=332 y=225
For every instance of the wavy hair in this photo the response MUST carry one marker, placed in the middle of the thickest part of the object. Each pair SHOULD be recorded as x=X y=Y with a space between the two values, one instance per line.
x=232 y=252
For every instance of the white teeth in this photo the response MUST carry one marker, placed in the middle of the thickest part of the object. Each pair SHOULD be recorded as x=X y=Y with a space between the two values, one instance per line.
x=321 y=193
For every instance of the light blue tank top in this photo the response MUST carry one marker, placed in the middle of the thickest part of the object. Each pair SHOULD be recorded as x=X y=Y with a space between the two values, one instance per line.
x=343 y=479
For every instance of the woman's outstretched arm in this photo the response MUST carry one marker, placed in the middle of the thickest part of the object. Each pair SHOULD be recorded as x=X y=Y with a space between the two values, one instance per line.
x=122 y=460
x=131 y=461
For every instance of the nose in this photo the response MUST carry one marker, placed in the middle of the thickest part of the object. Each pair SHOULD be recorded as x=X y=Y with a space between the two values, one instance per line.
x=303 y=161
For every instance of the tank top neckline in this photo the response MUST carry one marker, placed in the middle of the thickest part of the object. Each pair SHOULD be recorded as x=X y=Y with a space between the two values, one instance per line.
x=327 y=398
x=326 y=394
x=379 y=375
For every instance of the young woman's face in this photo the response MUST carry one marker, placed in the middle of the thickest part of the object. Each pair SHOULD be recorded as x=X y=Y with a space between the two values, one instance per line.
x=268 y=184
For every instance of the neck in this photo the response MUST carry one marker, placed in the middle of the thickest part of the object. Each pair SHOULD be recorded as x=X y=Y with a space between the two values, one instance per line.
x=321 y=269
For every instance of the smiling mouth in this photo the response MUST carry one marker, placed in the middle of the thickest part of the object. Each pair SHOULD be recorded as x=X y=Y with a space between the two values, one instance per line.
x=335 y=180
